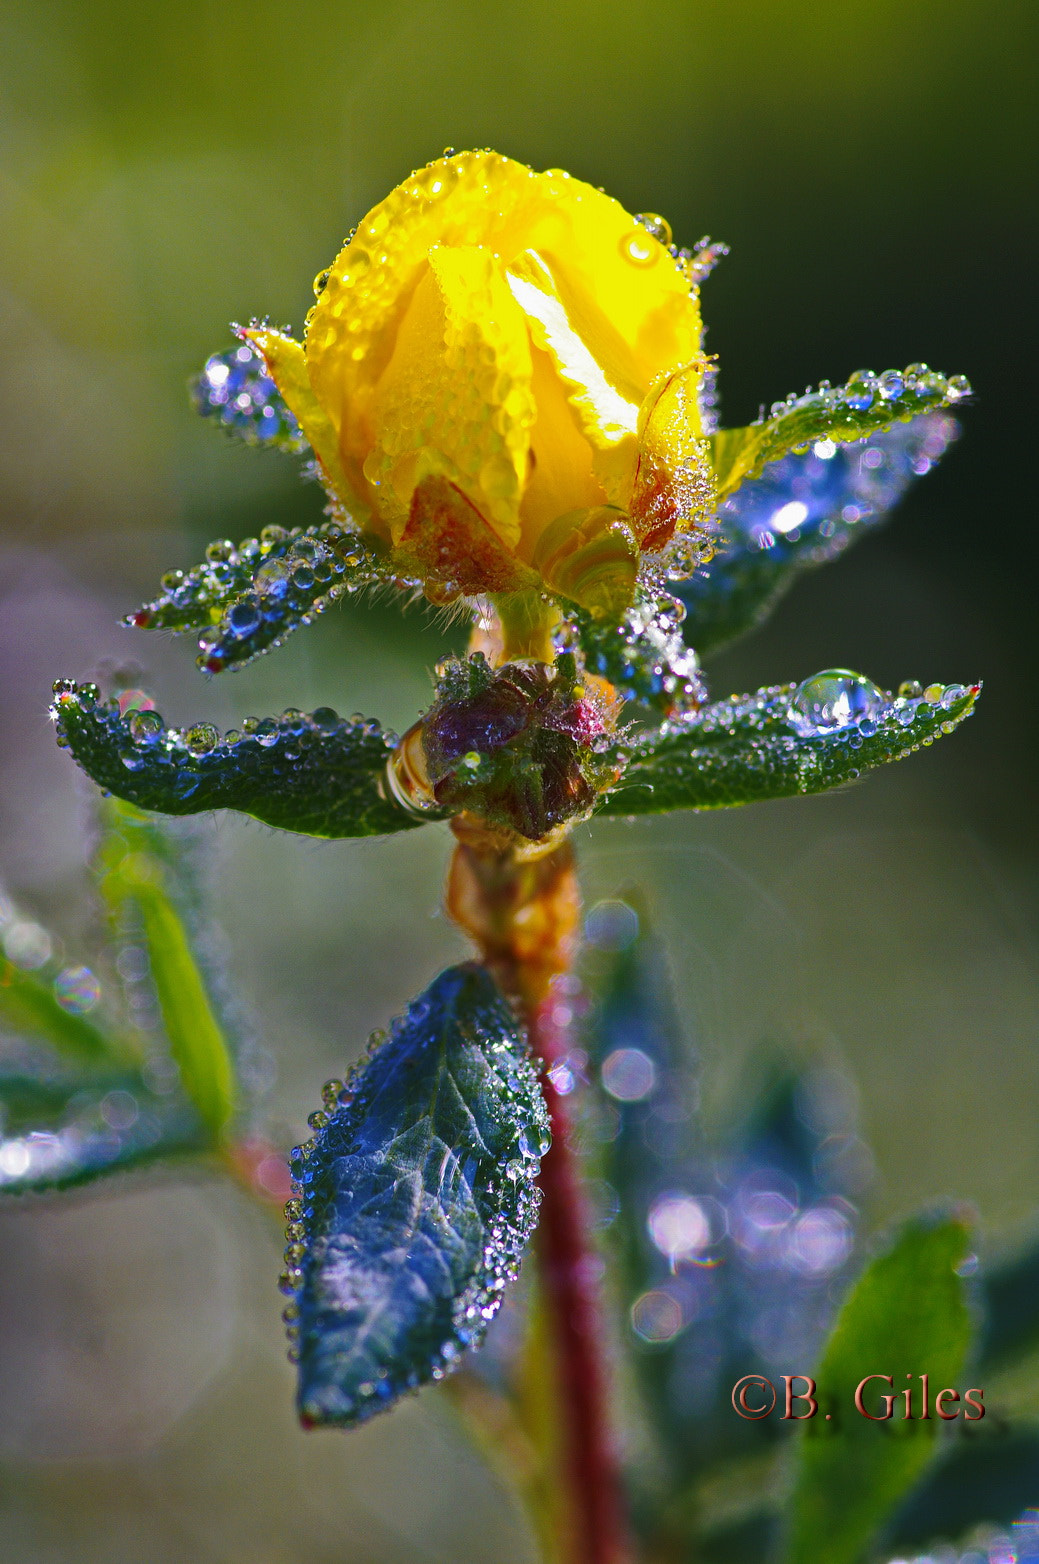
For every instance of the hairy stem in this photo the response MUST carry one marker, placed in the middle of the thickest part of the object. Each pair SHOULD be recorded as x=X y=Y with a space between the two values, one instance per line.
x=570 y=1271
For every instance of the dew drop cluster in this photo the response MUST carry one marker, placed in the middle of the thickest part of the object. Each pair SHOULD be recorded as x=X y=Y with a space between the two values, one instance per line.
x=246 y=599
x=235 y=390
x=644 y=656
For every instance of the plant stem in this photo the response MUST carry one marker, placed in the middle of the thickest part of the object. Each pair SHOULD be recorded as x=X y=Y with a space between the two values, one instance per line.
x=570 y=1271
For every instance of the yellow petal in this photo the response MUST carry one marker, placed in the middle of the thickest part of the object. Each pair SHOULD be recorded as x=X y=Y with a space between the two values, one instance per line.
x=455 y=398
x=592 y=247
x=674 y=482
x=287 y=367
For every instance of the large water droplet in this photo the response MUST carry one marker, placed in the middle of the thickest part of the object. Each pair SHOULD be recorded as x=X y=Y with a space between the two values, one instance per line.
x=145 y=726
x=200 y=739
x=860 y=390
x=833 y=699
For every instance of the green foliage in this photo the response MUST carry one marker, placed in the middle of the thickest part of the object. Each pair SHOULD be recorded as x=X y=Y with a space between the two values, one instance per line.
x=866 y=404
x=906 y=1316
x=782 y=742
x=135 y=880
x=417 y=1198
x=988 y=1477
x=315 y=774
x=29 y=1006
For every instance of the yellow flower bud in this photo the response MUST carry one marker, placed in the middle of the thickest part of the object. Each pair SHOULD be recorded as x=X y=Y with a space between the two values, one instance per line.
x=501 y=380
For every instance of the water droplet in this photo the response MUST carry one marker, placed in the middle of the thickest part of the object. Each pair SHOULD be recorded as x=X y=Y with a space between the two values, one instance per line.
x=833 y=699
x=325 y=718
x=638 y=247
x=146 y=726
x=266 y=732
x=658 y=226
x=860 y=390
x=272 y=578
x=958 y=387
x=891 y=385
x=910 y=689
x=221 y=551
x=201 y=738
x=77 y=990
x=244 y=617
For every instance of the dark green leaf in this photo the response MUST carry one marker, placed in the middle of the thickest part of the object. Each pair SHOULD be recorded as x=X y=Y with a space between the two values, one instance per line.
x=782 y=742
x=801 y=512
x=136 y=877
x=246 y=599
x=866 y=404
x=1010 y=1310
x=418 y=1198
x=315 y=774
x=990 y=1477
x=906 y=1316
x=57 y=1133
x=29 y=1005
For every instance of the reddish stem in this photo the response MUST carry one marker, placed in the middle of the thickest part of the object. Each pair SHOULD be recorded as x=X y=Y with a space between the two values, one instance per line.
x=571 y=1268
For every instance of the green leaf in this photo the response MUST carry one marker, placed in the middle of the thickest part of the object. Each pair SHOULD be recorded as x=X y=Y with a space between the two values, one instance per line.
x=987 y=1478
x=782 y=742
x=906 y=1316
x=1010 y=1310
x=60 y=1132
x=417 y=1199
x=135 y=877
x=802 y=512
x=246 y=599
x=867 y=403
x=316 y=774
x=29 y=1005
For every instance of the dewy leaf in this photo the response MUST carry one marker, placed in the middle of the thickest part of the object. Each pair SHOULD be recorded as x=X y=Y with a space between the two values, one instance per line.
x=59 y=1133
x=642 y=655
x=866 y=404
x=132 y=875
x=417 y=1198
x=247 y=599
x=782 y=742
x=235 y=389
x=803 y=511
x=316 y=774
x=906 y=1316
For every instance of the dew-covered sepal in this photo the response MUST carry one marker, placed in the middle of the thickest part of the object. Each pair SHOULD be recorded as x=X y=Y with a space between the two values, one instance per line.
x=246 y=599
x=235 y=389
x=415 y=1201
x=803 y=510
x=863 y=406
x=58 y=1131
x=783 y=741
x=643 y=655
x=316 y=773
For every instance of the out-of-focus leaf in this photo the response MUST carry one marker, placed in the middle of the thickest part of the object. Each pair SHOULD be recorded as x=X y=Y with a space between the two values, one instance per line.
x=316 y=774
x=782 y=742
x=29 y=1005
x=906 y=1316
x=61 y=1132
x=134 y=875
x=989 y=1477
x=235 y=390
x=246 y=599
x=643 y=656
x=417 y=1199
x=866 y=404
x=802 y=511
x=1010 y=1310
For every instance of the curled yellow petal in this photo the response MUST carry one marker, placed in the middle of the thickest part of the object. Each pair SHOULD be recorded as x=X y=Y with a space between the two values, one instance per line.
x=674 y=487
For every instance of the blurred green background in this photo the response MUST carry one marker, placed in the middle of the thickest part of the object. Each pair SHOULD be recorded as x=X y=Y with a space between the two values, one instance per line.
x=170 y=168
